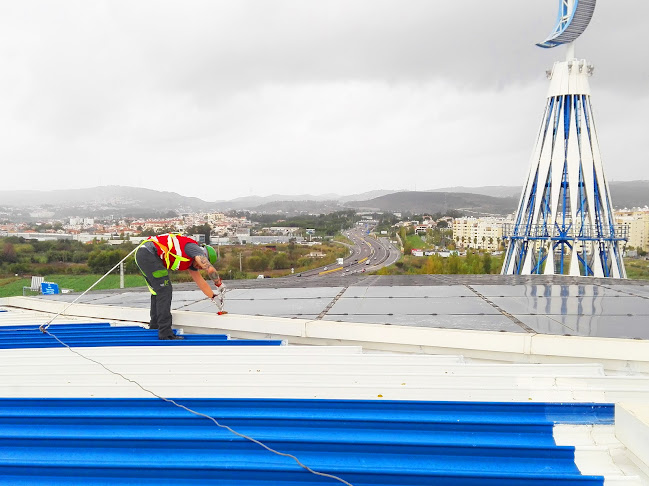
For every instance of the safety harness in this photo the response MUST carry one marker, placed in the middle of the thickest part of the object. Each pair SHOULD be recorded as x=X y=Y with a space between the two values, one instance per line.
x=171 y=254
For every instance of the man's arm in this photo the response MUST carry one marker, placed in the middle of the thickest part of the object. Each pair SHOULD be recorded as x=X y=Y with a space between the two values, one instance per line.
x=203 y=263
x=201 y=283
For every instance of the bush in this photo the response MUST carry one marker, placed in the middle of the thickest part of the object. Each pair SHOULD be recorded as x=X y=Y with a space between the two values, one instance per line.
x=257 y=263
x=44 y=269
x=454 y=264
x=79 y=257
x=19 y=268
x=486 y=262
x=280 y=262
x=102 y=261
x=8 y=253
x=76 y=269
x=130 y=266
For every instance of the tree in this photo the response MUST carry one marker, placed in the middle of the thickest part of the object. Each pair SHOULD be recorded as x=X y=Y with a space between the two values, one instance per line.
x=9 y=253
x=486 y=263
x=434 y=265
x=454 y=264
x=102 y=261
x=256 y=263
x=203 y=229
x=54 y=256
x=20 y=268
x=280 y=261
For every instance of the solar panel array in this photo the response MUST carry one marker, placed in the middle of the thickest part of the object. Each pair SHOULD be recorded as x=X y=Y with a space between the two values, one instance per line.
x=608 y=309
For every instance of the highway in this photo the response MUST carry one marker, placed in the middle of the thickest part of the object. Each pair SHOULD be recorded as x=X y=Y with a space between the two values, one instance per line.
x=367 y=255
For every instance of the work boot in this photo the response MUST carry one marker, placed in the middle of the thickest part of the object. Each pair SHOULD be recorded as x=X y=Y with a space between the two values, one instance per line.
x=170 y=338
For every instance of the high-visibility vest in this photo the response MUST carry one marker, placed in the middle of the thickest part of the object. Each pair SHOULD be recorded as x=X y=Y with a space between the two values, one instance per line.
x=171 y=250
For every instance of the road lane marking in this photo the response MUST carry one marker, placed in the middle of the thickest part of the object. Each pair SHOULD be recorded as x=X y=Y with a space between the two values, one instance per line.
x=332 y=270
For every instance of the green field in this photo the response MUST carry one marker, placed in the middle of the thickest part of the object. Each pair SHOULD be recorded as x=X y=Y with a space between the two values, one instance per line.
x=637 y=269
x=77 y=283
x=415 y=241
x=343 y=239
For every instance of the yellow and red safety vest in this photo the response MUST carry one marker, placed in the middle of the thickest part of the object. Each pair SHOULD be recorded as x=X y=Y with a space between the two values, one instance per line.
x=171 y=249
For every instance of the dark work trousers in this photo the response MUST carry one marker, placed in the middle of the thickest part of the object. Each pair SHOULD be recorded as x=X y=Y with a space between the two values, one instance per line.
x=157 y=278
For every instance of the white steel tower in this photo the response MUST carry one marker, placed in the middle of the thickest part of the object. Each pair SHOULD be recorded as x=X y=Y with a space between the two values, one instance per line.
x=564 y=223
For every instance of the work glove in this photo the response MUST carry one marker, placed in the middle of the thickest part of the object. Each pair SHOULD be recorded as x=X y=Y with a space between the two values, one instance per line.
x=219 y=284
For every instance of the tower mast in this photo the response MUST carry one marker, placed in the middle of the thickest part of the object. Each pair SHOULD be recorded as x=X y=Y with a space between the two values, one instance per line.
x=564 y=223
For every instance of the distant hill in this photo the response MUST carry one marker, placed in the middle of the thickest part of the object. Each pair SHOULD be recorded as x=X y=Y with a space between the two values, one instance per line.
x=250 y=202
x=139 y=202
x=629 y=194
x=107 y=195
x=432 y=202
x=104 y=200
x=494 y=191
x=264 y=203
x=298 y=207
x=366 y=195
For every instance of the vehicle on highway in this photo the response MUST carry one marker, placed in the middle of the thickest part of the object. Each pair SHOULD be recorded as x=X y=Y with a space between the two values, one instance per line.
x=325 y=268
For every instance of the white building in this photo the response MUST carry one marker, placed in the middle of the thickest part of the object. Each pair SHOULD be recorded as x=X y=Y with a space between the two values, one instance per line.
x=637 y=223
x=481 y=233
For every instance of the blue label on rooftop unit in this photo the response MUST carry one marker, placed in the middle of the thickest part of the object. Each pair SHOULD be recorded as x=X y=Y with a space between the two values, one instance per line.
x=49 y=288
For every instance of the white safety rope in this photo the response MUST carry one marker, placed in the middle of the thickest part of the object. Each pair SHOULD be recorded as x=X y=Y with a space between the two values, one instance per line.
x=44 y=329
x=199 y=414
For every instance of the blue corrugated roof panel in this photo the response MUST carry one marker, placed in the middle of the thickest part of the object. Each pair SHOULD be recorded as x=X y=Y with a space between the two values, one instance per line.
x=148 y=441
x=103 y=334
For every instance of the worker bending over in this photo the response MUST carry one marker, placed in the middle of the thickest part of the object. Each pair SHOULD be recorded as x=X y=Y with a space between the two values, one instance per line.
x=159 y=254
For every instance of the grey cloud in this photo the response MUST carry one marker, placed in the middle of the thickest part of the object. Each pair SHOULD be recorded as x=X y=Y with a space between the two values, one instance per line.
x=92 y=59
x=214 y=48
x=338 y=83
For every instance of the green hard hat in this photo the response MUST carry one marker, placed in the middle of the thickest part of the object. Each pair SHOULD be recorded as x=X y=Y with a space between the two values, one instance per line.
x=210 y=252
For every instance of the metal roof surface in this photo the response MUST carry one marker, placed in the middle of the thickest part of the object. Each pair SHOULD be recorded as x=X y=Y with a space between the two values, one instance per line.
x=367 y=443
x=368 y=417
x=103 y=334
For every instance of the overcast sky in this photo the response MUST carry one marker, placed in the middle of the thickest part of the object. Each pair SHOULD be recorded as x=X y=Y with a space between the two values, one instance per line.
x=222 y=99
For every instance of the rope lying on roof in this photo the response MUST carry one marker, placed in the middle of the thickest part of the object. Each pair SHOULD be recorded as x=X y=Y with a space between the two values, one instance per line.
x=43 y=328
x=199 y=414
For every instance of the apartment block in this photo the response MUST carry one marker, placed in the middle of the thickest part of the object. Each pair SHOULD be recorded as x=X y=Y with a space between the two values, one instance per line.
x=480 y=233
x=637 y=222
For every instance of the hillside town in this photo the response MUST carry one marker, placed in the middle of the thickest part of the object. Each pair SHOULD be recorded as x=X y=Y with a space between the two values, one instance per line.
x=480 y=233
